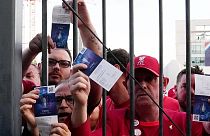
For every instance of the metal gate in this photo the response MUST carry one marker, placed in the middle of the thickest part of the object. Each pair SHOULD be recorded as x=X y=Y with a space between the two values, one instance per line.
x=10 y=64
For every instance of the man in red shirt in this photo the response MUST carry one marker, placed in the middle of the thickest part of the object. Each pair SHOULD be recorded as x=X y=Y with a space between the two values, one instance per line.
x=180 y=87
x=118 y=123
x=118 y=95
x=168 y=102
x=171 y=93
x=180 y=91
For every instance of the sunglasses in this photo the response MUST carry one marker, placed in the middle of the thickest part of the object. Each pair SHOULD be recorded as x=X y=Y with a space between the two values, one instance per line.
x=145 y=77
x=62 y=63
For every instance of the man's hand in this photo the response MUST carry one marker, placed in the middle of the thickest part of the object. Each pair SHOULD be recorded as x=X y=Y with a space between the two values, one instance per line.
x=88 y=39
x=26 y=104
x=91 y=42
x=60 y=129
x=35 y=44
x=79 y=85
x=82 y=11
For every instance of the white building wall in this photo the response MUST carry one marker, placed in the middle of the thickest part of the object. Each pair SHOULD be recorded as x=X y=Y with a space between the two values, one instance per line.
x=181 y=38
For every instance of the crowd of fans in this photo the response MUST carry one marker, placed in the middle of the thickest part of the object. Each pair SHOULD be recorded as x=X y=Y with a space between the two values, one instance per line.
x=79 y=101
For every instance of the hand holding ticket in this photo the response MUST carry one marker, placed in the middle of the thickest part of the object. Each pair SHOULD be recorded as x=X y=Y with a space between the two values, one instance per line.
x=98 y=69
x=60 y=26
x=45 y=109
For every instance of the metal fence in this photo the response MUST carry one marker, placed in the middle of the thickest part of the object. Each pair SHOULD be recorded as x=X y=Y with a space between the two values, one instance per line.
x=10 y=64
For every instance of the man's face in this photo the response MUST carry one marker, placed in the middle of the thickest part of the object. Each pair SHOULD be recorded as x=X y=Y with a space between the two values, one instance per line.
x=58 y=71
x=181 y=91
x=64 y=102
x=150 y=84
x=33 y=75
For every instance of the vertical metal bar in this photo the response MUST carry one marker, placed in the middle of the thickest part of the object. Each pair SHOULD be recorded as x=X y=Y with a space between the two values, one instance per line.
x=104 y=55
x=131 y=40
x=11 y=66
x=75 y=30
x=188 y=67
x=44 y=44
x=17 y=70
x=161 y=67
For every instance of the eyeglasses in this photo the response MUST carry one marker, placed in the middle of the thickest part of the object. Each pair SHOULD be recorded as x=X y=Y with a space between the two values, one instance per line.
x=69 y=99
x=62 y=63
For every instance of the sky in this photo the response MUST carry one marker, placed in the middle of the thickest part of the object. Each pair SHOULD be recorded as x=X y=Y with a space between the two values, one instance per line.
x=146 y=23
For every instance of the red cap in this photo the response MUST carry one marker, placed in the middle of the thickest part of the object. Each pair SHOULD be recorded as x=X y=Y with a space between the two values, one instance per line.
x=171 y=93
x=146 y=62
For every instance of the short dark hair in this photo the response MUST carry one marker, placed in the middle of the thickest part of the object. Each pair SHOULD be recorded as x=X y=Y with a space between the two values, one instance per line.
x=69 y=53
x=121 y=54
x=194 y=70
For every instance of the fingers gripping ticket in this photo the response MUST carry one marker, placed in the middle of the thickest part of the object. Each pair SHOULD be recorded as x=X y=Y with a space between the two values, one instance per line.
x=79 y=82
x=29 y=98
x=78 y=67
x=60 y=129
x=35 y=44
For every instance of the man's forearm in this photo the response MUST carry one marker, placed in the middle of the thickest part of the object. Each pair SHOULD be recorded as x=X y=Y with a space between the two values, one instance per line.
x=79 y=115
x=35 y=131
x=89 y=40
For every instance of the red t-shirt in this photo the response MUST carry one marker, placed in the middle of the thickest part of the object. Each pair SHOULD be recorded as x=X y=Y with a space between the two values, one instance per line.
x=170 y=103
x=198 y=126
x=173 y=104
x=111 y=106
x=118 y=124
